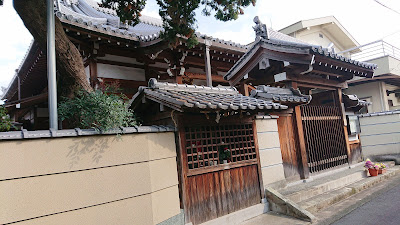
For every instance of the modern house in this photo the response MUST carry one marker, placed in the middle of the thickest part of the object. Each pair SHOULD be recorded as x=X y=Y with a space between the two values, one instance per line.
x=324 y=31
x=383 y=89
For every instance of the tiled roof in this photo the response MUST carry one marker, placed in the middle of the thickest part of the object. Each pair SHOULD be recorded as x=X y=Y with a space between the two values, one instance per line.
x=281 y=95
x=354 y=103
x=285 y=41
x=183 y=98
x=326 y=52
x=87 y=14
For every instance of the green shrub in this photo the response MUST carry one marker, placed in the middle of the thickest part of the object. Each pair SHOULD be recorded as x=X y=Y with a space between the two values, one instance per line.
x=5 y=121
x=100 y=109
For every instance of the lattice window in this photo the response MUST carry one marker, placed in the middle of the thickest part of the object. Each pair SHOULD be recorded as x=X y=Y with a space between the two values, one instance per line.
x=208 y=146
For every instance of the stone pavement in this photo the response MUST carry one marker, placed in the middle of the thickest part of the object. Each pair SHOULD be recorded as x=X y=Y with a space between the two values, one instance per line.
x=274 y=219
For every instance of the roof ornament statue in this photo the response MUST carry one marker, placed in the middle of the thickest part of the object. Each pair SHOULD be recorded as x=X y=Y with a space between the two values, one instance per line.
x=260 y=29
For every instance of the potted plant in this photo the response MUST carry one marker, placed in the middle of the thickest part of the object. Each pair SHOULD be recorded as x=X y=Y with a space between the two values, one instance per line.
x=372 y=168
x=382 y=168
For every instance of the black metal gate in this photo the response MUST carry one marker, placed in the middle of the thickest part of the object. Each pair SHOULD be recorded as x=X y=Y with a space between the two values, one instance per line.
x=324 y=137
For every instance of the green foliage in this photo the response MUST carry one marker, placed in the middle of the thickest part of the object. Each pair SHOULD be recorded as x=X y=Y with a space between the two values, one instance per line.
x=100 y=109
x=127 y=10
x=178 y=16
x=5 y=121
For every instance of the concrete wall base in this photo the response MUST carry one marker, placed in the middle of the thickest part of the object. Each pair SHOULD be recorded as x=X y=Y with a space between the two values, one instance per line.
x=278 y=203
x=240 y=216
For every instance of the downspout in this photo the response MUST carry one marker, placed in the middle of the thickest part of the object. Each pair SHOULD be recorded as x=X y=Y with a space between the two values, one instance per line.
x=310 y=67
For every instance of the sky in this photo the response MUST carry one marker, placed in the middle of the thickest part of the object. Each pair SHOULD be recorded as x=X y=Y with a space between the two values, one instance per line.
x=365 y=20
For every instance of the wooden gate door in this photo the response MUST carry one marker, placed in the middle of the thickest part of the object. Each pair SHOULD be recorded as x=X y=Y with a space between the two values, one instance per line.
x=289 y=147
x=211 y=188
x=324 y=136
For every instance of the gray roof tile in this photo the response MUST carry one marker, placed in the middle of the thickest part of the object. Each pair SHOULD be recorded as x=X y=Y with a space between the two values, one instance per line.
x=281 y=95
x=184 y=97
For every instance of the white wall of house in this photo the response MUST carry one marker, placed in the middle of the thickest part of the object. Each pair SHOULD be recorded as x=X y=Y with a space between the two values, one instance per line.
x=392 y=97
x=380 y=134
x=374 y=92
x=318 y=36
x=386 y=65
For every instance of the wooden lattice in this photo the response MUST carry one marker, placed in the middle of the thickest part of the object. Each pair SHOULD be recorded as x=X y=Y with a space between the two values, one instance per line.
x=324 y=136
x=205 y=144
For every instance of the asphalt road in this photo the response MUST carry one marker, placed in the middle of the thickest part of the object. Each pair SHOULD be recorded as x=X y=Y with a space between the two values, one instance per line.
x=384 y=209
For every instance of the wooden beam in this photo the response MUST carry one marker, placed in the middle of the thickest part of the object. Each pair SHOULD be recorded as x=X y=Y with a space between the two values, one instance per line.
x=346 y=135
x=215 y=78
x=315 y=81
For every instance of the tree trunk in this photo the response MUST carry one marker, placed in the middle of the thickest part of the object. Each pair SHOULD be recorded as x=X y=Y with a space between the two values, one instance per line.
x=70 y=68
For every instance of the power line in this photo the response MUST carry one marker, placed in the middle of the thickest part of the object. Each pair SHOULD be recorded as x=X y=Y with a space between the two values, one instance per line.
x=380 y=3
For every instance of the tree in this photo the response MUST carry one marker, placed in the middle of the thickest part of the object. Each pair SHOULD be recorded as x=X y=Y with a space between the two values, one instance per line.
x=178 y=21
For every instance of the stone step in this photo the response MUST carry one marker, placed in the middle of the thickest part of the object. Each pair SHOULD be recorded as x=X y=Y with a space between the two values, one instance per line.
x=316 y=203
x=308 y=193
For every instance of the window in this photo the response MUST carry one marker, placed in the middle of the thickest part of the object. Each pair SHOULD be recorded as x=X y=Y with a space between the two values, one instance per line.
x=353 y=124
x=208 y=146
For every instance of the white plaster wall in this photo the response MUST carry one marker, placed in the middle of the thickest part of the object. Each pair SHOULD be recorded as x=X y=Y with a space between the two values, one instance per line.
x=270 y=151
x=120 y=72
x=87 y=72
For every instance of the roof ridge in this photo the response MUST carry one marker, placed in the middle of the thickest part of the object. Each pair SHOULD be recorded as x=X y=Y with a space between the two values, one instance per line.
x=154 y=84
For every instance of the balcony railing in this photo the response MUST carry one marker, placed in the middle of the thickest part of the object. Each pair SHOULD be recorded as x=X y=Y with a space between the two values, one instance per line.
x=374 y=50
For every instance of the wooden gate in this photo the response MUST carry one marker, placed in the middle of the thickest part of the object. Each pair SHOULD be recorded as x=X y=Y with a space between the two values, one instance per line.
x=211 y=188
x=288 y=139
x=324 y=136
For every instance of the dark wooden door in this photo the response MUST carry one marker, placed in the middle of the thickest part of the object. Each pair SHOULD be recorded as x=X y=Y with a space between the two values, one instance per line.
x=211 y=188
x=289 y=146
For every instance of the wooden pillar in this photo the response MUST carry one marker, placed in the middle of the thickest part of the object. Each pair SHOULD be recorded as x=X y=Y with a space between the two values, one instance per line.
x=302 y=142
x=346 y=135
x=93 y=72
x=207 y=62
x=244 y=89
x=178 y=79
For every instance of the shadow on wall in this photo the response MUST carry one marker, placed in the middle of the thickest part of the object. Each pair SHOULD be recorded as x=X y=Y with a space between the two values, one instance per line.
x=94 y=146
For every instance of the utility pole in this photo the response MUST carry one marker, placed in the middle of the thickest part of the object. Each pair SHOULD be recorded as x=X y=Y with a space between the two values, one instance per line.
x=51 y=66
